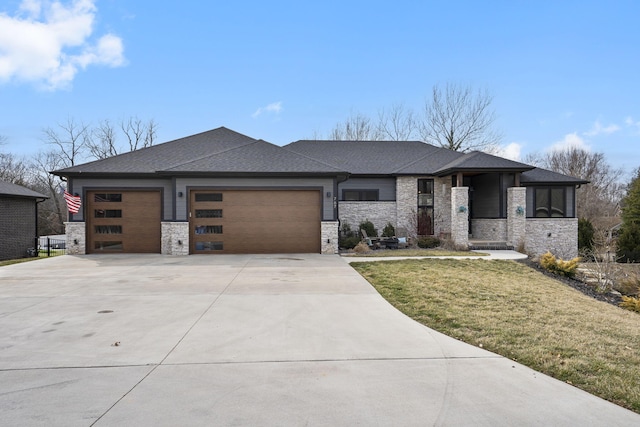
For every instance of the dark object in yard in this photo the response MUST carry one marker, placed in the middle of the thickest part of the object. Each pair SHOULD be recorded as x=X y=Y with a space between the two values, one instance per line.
x=390 y=243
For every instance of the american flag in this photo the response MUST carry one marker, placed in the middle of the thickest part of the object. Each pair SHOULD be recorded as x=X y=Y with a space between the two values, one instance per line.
x=73 y=202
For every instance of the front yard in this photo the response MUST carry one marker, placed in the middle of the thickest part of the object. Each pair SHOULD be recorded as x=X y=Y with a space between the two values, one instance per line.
x=511 y=309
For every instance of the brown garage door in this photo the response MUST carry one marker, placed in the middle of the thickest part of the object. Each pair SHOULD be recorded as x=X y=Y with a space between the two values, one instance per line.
x=261 y=221
x=123 y=221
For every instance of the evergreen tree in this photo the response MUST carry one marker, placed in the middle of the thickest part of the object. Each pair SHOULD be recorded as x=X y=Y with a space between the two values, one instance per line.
x=629 y=240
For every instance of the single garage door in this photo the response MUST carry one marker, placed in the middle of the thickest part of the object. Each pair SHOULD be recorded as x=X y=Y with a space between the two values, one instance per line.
x=123 y=221
x=254 y=221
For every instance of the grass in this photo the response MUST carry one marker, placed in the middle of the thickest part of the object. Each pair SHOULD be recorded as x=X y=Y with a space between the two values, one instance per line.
x=16 y=261
x=41 y=254
x=413 y=252
x=515 y=311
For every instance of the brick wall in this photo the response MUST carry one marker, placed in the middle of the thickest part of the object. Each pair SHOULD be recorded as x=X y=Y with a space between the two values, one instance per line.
x=17 y=227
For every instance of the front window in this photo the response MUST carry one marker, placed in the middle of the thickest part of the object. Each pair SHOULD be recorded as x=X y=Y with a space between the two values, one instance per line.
x=360 y=195
x=425 y=207
x=550 y=202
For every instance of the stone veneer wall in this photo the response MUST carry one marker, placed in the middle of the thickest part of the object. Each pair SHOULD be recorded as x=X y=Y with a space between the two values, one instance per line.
x=557 y=235
x=329 y=237
x=175 y=238
x=75 y=231
x=460 y=216
x=379 y=213
x=489 y=229
x=407 y=202
x=516 y=216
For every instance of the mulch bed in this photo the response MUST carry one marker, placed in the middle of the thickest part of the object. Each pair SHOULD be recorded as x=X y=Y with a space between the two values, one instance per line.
x=586 y=289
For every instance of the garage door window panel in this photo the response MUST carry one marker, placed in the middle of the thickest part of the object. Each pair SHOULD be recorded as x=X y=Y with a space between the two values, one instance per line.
x=208 y=213
x=209 y=246
x=115 y=246
x=208 y=229
x=107 y=213
x=108 y=229
x=208 y=197
x=107 y=197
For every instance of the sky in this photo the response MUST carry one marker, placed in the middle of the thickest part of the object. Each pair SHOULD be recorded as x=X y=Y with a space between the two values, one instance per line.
x=560 y=72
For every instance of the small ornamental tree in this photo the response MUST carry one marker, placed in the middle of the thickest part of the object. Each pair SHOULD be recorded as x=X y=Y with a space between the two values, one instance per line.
x=585 y=235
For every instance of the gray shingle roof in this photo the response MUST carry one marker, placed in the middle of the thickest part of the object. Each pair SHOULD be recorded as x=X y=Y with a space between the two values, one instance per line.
x=376 y=157
x=218 y=150
x=544 y=176
x=478 y=161
x=9 y=189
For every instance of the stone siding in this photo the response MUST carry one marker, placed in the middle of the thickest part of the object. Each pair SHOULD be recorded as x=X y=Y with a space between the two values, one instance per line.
x=516 y=219
x=407 y=203
x=442 y=206
x=460 y=216
x=175 y=238
x=329 y=237
x=489 y=229
x=556 y=235
x=379 y=213
x=76 y=232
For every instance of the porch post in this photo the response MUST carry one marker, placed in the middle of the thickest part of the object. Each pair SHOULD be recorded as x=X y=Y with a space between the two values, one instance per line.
x=460 y=216
x=516 y=216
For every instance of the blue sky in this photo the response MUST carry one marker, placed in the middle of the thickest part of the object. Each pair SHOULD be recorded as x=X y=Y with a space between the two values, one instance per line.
x=560 y=72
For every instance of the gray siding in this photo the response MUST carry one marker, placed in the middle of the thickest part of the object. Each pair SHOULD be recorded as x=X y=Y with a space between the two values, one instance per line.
x=486 y=196
x=17 y=226
x=323 y=184
x=386 y=187
x=81 y=185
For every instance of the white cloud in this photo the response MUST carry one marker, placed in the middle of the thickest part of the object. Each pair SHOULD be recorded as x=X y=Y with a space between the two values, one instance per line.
x=510 y=151
x=570 y=140
x=598 y=129
x=274 y=108
x=47 y=43
x=629 y=121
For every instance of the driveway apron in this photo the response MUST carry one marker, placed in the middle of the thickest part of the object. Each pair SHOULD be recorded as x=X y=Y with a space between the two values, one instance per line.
x=270 y=340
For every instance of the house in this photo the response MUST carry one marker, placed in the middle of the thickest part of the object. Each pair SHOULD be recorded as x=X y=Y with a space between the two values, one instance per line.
x=18 y=220
x=223 y=192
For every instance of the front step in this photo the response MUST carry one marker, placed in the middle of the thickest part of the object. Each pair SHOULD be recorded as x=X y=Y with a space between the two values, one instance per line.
x=480 y=245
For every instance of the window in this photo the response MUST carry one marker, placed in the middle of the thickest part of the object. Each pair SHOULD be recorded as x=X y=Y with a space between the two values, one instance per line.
x=107 y=213
x=107 y=197
x=108 y=229
x=208 y=213
x=360 y=195
x=108 y=246
x=209 y=246
x=208 y=229
x=208 y=197
x=550 y=202
x=425 y=207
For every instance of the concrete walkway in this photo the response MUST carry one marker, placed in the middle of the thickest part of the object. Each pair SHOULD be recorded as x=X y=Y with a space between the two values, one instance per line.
x=269 y=340
x=491 y=255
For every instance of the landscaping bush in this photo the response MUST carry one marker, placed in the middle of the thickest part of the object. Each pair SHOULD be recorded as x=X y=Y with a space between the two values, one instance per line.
x=389 y=230
x=368 y=227
x=361 y=248
x=586 y=234
x=629 y=286
x=348 y=242
x=427 y=242
x=558 y=266
x=630 y=303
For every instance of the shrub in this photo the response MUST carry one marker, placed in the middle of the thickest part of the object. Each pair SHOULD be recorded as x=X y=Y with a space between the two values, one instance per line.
x=629 y=286
x=369 y=228
x=427 y=242
x=389 y=230
x=348 y=242
x=630 y=303
x=558 y=266
x=629 y=243
x=585 y=234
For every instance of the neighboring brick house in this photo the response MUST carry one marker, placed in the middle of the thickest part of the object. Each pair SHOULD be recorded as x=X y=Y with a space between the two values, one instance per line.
x=223 y=192
x=18 y=220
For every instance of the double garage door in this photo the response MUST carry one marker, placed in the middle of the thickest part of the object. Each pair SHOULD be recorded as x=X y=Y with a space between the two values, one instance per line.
x=235 y=221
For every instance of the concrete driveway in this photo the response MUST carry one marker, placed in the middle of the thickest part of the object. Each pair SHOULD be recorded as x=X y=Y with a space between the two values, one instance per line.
x=137 y=340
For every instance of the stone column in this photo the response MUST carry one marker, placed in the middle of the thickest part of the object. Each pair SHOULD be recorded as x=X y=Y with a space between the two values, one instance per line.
x=329 y=237
x=516 y=217
x=76 y=238
x=460 y=216
x=175 y=238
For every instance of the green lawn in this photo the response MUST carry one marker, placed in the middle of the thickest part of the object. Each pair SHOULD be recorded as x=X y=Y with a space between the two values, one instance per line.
x=513 y=310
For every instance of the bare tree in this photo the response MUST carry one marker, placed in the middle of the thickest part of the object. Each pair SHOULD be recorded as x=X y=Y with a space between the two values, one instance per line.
x=139 y=134
x=102 y=143
x=71 y=142
x=397 y=123
x=601 y=198
x=357 y=127
x=460 y=119
x=52 y=212
x=13 y=169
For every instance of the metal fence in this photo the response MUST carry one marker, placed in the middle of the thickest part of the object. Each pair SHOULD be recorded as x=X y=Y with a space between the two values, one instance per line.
x=50 y=246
